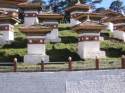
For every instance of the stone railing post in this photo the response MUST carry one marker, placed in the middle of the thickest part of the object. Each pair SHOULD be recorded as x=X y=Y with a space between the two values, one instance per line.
x=123 y=62
x=14 y=64
x=97 y=63
x=70 y=63
x=42 y=66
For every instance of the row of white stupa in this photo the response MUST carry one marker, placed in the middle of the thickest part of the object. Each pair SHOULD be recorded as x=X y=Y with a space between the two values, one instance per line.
x=31 y=18
x=89 y=30
x=87 y=25
x=38 y=26
x=83 y=21
x=113 y=21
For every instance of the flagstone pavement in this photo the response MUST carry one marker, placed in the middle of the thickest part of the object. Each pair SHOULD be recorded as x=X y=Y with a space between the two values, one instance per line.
x=102 y=81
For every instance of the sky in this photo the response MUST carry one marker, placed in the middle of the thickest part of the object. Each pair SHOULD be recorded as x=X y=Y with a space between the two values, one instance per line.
x=105 y=3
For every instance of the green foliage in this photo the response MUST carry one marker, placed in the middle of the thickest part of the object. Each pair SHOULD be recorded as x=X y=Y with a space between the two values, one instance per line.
x=9 y=54
x=64 y=27
x=113 y=48
x=113 y=44
x=116 y=5
x=61 y=52
x=68 y=36
x=18 y=43
x=100 y=9
x=68 y=33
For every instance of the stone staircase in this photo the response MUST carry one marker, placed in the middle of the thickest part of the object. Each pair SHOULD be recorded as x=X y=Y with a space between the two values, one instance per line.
x=100 y=81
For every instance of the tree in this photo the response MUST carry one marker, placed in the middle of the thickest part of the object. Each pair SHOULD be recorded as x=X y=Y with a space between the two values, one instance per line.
x=59 y=6
x=97 y=1
x=38 y=1
x=99 y=9
x=116 y=5
x=54 y=5
x=72 y=2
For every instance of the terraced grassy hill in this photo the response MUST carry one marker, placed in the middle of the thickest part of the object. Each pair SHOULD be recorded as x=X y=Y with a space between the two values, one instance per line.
x=58 y=51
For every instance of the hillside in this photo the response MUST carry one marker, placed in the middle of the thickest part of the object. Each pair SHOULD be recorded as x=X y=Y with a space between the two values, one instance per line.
x=58 y=51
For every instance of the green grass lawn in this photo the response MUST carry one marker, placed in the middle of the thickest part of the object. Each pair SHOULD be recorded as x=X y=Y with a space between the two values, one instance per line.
x=77 y=65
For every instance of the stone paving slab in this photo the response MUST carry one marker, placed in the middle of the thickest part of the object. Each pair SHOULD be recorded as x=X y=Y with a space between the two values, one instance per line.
x=102 y=81
x=96 y=86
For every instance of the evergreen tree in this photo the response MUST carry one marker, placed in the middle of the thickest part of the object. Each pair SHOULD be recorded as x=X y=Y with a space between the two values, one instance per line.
x=38 y=1
x=99 y=9
x=116 y=5
x=59 y=6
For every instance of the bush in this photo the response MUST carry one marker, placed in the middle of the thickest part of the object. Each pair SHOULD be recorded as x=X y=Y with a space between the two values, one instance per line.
x=18 y=43
x=7 y=55
x=64 y=27
x=113 y=48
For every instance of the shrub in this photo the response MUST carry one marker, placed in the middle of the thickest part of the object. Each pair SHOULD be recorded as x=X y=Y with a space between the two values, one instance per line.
x=9 y=54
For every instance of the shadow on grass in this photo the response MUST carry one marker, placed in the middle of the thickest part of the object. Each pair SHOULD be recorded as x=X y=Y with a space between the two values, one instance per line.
x=10 y=58
x=112 y=52
x=69 y=39
x=18 y=43
x=105 y=35
x=64 y=28
x=59 y=55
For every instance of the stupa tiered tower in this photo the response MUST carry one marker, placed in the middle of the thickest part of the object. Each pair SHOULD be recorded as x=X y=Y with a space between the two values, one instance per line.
x=88 y=40
x=51 y=20
x=10 y=7
x=7 y=28
x=108 y=16
x=113 y=21
x=36 y=44
x=8 y=18
x=119 y=27
x=31 y=11
x=95 y=17
x=35 y=32
x=116 y=23
x=76 y=10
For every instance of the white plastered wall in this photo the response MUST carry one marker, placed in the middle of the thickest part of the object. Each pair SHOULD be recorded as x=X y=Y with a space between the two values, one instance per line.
x=90 y=49
x=119 y=35
x=36 y=52
x=54 y=35
x=7 y=35
x=110 y=26
x=74 y=22
x=28 y=21
x=36 y=49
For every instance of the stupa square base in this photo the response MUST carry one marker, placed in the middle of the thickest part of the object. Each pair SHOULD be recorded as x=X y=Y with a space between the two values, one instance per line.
x=35 y=59
x=119 y=35
x=93 y=55
x=53 y=36
x=56 y=40
x=101 y=38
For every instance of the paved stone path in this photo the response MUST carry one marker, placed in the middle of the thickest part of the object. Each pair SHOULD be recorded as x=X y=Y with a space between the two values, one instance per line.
x=105 y=81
